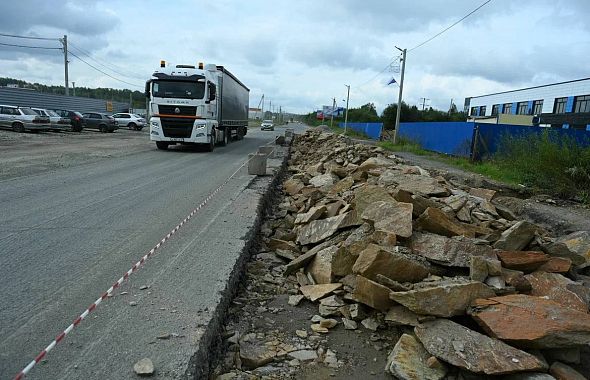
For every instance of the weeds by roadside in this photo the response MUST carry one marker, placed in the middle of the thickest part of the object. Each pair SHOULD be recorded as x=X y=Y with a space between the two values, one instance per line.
x=541 y=162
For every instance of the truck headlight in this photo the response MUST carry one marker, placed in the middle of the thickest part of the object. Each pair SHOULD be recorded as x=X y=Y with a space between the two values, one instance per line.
x=154 y=123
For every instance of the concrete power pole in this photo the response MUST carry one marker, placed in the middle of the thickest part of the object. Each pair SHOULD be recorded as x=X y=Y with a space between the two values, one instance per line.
x=333 y=107
x=399 y=99
x=346 y=115
x=74 y=88
x=64 y=42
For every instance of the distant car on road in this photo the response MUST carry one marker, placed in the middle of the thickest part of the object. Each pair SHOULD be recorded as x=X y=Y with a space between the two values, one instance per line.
x=76 y=119
x=20 y=119
x=58 y=123
x=130 y=120
x=101 y=121
x=267 y=125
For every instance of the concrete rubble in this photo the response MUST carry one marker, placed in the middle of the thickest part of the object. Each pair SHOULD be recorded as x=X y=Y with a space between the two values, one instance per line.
x=466 y=289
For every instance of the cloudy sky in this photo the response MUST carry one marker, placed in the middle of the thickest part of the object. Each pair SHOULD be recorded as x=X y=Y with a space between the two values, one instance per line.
x=301 y=53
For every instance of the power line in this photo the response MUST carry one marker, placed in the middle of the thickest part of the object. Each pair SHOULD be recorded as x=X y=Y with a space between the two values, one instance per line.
x=103 y=63
x=31 y=47
x=29 y=37
x=449 y=27
x=107 y=74
x=379 y=73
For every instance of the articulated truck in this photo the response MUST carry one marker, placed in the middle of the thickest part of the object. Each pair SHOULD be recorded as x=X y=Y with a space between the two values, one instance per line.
x=196 y=105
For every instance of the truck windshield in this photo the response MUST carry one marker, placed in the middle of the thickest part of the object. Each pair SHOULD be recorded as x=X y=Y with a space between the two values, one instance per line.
x=178 y=89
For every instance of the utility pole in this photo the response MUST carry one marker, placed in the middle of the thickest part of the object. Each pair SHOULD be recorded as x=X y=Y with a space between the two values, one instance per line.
x=131 y=101
x=423 y=102
x=74 y=88
x=346 y=115
x=281 y=114
x=333 y=107
x=399 y=99
x=270 y=109
x=64 y=42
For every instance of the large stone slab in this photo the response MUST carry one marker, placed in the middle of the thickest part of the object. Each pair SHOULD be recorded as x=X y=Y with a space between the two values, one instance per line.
x=415 y=184
x=315 y=292
x=554 y=286
x=394 y=217
x=400 y=315
x=517 y=237
x=293 y=186
x=392 y=264
x=323 y=180
x=365 y=195
x=475 y=352
x=442 y=299
x=321 y=265
x=530 y=321
x=408 y=360
x=448 y=252
x=319 y=230
x=436 y=221
x=372 y=294
x=313 y=214
x=575 y=246
x=526 y=261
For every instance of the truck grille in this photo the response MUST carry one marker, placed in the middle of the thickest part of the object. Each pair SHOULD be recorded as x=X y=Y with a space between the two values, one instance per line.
x=184 y=110
x=177 y=127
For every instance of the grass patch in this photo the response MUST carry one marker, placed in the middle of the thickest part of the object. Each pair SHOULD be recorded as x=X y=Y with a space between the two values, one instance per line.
x=546 y=162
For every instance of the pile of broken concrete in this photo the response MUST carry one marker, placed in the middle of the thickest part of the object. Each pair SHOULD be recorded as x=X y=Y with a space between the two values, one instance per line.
x=381 y=243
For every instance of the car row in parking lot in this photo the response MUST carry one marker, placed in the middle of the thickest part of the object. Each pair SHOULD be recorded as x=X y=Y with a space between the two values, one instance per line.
x=21 y=119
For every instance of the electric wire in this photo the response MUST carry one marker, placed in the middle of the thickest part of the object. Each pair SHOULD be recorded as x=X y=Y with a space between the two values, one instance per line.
x=29 y=37
x=449 y=27
x=107 y=74
x=30 y=47
x=379 y=73
x=104 y=64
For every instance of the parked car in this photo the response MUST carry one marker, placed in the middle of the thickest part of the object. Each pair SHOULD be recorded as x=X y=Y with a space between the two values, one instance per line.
x=130 y=120
x=267 y=125
x=76 y=119
x=101 y=121
x=20 y=119
x=58 y=123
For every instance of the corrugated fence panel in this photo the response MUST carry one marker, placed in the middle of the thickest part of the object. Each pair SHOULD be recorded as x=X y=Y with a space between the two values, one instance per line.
x=444 y=137
x=490 y=136
x=29 y=98
x=372 y=130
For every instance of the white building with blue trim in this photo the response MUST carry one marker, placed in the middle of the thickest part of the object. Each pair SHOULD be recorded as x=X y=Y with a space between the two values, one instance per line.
x=559 y=105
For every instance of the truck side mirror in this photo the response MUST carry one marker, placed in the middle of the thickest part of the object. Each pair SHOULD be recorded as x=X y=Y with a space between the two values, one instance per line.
x=147 y=89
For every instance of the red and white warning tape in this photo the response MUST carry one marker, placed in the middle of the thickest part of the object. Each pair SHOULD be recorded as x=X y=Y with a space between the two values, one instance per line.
x=118 y=283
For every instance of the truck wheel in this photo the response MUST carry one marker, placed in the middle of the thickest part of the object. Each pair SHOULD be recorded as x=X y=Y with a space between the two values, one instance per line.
x=162 y=145
x=211 y=144
x=18 y=127
x=240 y=133
x=131 y=126
x=226 y=133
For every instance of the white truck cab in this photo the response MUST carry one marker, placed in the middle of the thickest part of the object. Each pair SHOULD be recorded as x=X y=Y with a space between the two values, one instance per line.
x=187 y=105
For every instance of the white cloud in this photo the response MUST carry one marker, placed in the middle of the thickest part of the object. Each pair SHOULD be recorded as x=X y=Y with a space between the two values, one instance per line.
x=300 y=54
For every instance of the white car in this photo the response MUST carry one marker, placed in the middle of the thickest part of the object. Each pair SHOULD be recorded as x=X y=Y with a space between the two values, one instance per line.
x=20 y=119
x=267 y=125
x=58 y=123
x=130 y=120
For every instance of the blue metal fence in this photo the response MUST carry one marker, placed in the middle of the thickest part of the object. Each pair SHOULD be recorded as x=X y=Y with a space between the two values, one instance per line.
x=478 y=140
x=489 y=136
x=444 y=137
x=372 y=130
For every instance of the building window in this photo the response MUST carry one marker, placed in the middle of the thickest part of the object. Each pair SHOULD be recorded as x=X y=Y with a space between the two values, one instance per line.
x=507 y=108
x=522 y=108
x=582 y=103
x=537 y=107
x=482 y=111
x=559 y=106
x=495 y=108
x=473 y=111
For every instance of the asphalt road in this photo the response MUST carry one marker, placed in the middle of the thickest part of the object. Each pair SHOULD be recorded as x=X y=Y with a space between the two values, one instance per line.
x=67 y=235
